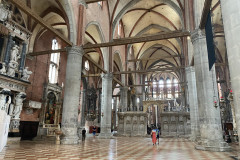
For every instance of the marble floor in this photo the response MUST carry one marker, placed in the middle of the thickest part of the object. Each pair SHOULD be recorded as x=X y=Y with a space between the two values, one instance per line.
x=107 y=149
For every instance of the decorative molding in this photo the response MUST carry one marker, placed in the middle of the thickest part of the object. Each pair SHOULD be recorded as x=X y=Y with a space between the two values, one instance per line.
x=12 y=84
x=190 y=69
x=123 y=89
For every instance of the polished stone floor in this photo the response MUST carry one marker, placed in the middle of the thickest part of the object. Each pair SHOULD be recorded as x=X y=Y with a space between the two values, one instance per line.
x=106 y=149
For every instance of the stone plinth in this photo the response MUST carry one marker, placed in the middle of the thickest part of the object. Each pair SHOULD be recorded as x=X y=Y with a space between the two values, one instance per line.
x=132 y=124
x=4 y=126
x=175 y=124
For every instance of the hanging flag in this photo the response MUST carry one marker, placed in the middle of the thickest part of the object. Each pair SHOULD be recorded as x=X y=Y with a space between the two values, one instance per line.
x=210 y=43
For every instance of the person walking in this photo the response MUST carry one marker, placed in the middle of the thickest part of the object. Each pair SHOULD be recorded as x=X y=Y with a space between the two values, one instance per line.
x=154 y=136
x=83 y=134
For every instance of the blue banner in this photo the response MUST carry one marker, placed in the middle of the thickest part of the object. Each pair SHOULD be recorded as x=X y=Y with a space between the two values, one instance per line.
x=210 y=43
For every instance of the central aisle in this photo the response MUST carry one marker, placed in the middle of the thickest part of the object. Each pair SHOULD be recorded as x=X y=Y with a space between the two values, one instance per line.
x=120 y=148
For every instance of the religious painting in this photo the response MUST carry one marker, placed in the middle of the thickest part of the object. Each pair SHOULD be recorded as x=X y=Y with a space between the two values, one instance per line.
x=50 y=109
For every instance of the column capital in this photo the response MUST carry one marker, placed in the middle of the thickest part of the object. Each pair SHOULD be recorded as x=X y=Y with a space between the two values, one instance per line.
x=190 y=69
x=197 y=34
x=83 y=3
x=108 y=76
x=75 y=50
x=124 y=88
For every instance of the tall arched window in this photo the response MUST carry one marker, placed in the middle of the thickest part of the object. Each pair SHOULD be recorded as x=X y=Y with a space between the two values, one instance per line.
x=169 y=85
x=175 y=81
x=155 y=89
x=54 y=63
x=119 y=29
x=161 y=86
x=86 y=65
x=100 y=3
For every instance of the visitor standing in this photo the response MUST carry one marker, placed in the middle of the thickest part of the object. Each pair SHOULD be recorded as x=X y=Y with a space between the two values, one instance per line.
x=83 y=134
x=94 y=131
x=157 y=134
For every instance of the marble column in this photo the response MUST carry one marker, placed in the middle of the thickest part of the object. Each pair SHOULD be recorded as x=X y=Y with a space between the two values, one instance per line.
x=117 y=110
x=156 y=111
x=209 y=114
x=114 y=111
x=106 y=106
x=230 y=15
x=23 y=56
x=8 y=49
x=193 y=102
x=71 y=95
x=83 y=106
x=123 y=100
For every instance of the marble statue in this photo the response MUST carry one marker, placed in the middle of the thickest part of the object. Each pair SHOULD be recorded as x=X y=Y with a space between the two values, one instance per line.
x=2 y=101
x=5 y=13
x=12 y=67
x=26 y=74
x=18 y=105
x=3 y=97
x=3 y=70
x=11 y=107
x=7 y=104
x=14 y=56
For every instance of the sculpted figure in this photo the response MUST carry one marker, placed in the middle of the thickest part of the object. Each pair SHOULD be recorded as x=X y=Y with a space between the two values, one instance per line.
x=3 y=70
x=26 y=74
x=11 y=107
x=2 y=101
x=18 y=105
x=8 y=103
x=12 y=68
x=15 y=53
x=5 y=13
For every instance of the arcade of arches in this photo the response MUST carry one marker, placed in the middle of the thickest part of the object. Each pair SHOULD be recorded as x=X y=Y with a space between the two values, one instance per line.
x=124 y=66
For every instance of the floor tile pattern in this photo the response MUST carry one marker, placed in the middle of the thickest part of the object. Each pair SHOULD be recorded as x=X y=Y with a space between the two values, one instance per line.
x=120 y=148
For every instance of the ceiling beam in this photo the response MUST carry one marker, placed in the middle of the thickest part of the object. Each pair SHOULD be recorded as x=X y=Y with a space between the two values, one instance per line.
x=93 y=1
x=205 y=12
x=148 y=59
x=150 y=70
x=40 y=20
x=130 y=40
x=140 y=39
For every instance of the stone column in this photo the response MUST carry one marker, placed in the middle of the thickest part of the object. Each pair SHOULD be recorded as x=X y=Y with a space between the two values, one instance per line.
x=156 y=111
x=230 y=15
x=82 y=123
x=15 y=121
x=106 y=106
x=123 y=101
x=114 y=111
x=8 y=49
x=23 y=56
x=209 y=114
x=117 y=110
x=71 y=95
x=193 y=102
